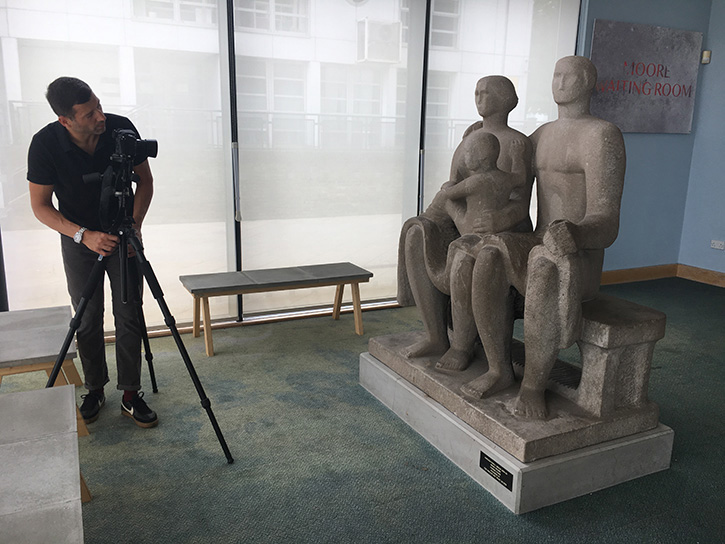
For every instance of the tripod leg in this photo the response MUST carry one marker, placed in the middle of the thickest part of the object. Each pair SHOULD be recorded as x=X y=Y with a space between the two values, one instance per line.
x=133 y=273
x=147 y=348
x=95 y=276
x=155 y=287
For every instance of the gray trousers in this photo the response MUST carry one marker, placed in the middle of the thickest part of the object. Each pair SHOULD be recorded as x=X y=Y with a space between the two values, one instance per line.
x=78 y=261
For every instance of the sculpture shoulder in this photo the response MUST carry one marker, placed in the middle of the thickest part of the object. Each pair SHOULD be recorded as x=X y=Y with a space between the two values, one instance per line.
x=474 y=126
x=604 y=128
x=516 y=137
x=584 y=131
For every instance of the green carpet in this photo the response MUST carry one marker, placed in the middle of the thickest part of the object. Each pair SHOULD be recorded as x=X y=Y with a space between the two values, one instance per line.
x=318 y=459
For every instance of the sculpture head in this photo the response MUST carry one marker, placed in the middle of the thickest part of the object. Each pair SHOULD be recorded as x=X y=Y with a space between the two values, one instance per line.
x=495 y=94
x=574 y=80
x=481 y=151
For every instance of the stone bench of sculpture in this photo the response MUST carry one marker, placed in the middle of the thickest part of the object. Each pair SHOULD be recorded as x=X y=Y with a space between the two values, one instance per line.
x=203 y=286
x=616 y=344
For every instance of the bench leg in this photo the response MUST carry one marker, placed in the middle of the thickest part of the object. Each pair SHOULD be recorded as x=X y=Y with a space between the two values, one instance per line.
x=337 y=306
x=208 y=342
x=197 y=316
x=85 y=492
x=71 y=374
x=357 y=308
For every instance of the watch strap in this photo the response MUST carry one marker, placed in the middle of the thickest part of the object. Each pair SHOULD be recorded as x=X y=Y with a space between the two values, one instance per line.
x=78 y=236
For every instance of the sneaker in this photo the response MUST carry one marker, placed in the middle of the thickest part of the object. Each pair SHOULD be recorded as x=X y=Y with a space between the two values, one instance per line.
x=92 y=404
x=137 y=409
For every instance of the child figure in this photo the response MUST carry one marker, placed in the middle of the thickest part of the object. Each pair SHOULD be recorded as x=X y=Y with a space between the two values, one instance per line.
x=480 y=202
x=485 y=201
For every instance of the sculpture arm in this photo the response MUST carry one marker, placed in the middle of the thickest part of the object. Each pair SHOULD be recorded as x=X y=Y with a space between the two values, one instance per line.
x=462 y=189
x=511 y=215
x=520 y=161
x=604 y=171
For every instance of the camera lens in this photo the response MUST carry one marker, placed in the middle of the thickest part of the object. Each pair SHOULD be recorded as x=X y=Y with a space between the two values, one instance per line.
x=149 y=148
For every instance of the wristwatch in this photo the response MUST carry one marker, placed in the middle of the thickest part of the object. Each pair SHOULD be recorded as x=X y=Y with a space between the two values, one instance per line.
x=78 y=236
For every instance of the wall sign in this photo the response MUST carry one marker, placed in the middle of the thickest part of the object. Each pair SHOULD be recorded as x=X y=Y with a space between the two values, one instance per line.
x=647 y=76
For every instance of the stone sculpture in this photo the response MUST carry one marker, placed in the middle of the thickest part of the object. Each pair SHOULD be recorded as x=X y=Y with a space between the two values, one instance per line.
x=488 y=191
x=496 y=268
x=579 y=163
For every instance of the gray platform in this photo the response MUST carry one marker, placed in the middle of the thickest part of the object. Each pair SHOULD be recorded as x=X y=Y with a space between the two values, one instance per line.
x=521 y=487
x=40 y=497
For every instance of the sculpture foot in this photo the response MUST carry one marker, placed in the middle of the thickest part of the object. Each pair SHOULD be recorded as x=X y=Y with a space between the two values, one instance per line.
x=454 y=359
x=488 y=384
x=530 y=404
x=424 y=348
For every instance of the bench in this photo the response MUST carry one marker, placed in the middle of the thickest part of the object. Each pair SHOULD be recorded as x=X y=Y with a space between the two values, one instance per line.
x=30 y=341
x=616 y=344
x=204 y=286
x=40 y=495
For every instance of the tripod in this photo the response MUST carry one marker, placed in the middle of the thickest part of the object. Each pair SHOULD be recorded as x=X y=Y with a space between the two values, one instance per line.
x=128 y=236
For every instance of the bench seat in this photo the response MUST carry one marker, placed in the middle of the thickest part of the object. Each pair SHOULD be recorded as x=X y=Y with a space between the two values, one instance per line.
x=616 y=344
x=203 y=286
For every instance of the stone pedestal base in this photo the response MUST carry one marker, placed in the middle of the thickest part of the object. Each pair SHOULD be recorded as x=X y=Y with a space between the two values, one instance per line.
x=521 y=487
x=568 y=427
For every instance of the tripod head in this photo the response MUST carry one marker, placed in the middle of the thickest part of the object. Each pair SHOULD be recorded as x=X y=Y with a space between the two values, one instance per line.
x=115 y=209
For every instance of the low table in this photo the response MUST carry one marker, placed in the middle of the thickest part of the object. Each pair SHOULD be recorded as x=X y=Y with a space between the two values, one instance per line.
x=30 y=341
x=203 y=286
x=40 y=495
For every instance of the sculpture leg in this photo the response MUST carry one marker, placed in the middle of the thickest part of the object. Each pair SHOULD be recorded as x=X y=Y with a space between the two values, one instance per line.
x=542 y=333
x=431 y=303
x=493 y=310
x=463 y=336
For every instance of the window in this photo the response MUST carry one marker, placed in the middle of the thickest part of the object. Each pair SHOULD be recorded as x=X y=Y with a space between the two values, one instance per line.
x=443 y=24
x=328 y=144
x=184 y=11
x=171 y=92
x=272 y=15
x=437 y=111
x=271 y=101
x=351 y=106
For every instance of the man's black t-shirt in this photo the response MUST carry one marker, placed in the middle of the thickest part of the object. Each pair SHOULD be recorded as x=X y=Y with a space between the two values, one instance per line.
x=54 y=160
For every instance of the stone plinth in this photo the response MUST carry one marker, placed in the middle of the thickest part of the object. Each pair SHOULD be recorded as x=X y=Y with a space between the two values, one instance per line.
x=521 y=487
x=568 y=427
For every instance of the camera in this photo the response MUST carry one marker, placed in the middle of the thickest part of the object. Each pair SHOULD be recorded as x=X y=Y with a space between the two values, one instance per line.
x=128 y=145
x=116 y=198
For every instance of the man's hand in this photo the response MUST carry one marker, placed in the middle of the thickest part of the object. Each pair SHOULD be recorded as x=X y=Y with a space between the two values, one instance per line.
x=559 y=238
x=135 y=232
x=100 y=242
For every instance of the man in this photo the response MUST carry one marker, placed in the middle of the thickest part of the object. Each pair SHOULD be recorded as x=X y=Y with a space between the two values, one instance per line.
x=81 y=142
x=579 y=163
x=436 y=261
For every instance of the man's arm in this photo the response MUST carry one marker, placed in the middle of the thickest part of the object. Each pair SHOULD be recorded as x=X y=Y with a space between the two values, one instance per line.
x=143 y=194
x=41 y=202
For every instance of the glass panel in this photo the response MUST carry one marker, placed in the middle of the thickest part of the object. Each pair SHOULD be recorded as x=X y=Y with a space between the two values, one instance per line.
x=330 y=187
x=291 y=15
x=171 y=92
x=444 y=23
x=521 y=40
x=252 y=14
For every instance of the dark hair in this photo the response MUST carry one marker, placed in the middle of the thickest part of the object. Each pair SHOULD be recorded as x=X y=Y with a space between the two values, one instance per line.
x=66 y=92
